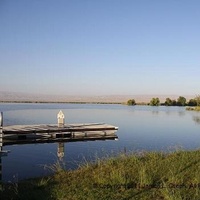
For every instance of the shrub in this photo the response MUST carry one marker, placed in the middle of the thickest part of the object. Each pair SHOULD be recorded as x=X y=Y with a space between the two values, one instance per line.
x=155 y=102
x=168 y=102
x=181 y=101
x=198 y=100
x=131 y=102
x=192 y=102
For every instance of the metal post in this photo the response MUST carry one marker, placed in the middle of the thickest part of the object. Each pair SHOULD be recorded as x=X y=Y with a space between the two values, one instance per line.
x=1 y=142
x=0 y=173
x=1 y=131
x=1 y=119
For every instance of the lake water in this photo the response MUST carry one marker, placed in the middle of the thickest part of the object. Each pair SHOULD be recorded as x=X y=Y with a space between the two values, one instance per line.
x=141 y=128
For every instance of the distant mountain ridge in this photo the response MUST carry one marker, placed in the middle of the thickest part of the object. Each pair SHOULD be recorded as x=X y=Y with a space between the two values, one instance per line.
x=18 y=96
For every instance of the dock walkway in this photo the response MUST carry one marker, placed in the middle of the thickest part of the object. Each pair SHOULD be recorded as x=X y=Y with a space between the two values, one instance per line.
x=51 y=128
x=26 y=134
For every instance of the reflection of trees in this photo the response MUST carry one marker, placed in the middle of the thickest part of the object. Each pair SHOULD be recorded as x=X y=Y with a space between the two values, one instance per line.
x=196 y=119
x=155 y=112
x=181 y=113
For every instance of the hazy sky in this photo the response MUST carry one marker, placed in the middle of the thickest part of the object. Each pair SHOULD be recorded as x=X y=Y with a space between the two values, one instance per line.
x=100 y=47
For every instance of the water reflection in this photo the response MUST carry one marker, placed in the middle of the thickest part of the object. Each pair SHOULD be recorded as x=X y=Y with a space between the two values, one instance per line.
x=60 y=155
x=61 y=150
x=181 y=113
x=2 y=154
x=155 y=112
x=0 y=169
x=196 y=119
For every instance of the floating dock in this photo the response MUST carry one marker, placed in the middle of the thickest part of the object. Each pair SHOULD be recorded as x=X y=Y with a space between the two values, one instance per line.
x=61 y=132
x=27 y=134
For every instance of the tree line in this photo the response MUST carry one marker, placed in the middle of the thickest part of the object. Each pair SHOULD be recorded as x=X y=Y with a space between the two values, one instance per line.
x=181 y=101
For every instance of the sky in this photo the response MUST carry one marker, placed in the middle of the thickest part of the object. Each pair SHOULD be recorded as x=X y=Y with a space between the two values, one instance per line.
x=100 y=47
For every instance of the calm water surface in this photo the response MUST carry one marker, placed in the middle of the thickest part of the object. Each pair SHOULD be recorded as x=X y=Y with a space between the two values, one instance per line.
x=140 y=128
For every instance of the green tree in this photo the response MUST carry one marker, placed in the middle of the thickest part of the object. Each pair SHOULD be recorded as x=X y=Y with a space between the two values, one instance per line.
x=174 y=103
x=155 y=102
x=181 y=101
x=192 y=102
x=198 y=100
x=168 y=102
x=131 y=102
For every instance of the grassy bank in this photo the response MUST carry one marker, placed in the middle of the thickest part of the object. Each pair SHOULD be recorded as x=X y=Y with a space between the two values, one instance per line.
x=172 y=176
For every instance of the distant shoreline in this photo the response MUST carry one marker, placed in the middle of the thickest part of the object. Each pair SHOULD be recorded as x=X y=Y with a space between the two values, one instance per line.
x=16 y=97
x=63 y=102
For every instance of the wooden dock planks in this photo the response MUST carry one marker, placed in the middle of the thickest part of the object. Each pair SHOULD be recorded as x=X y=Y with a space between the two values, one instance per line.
x=20 y=129
x=49 y=133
